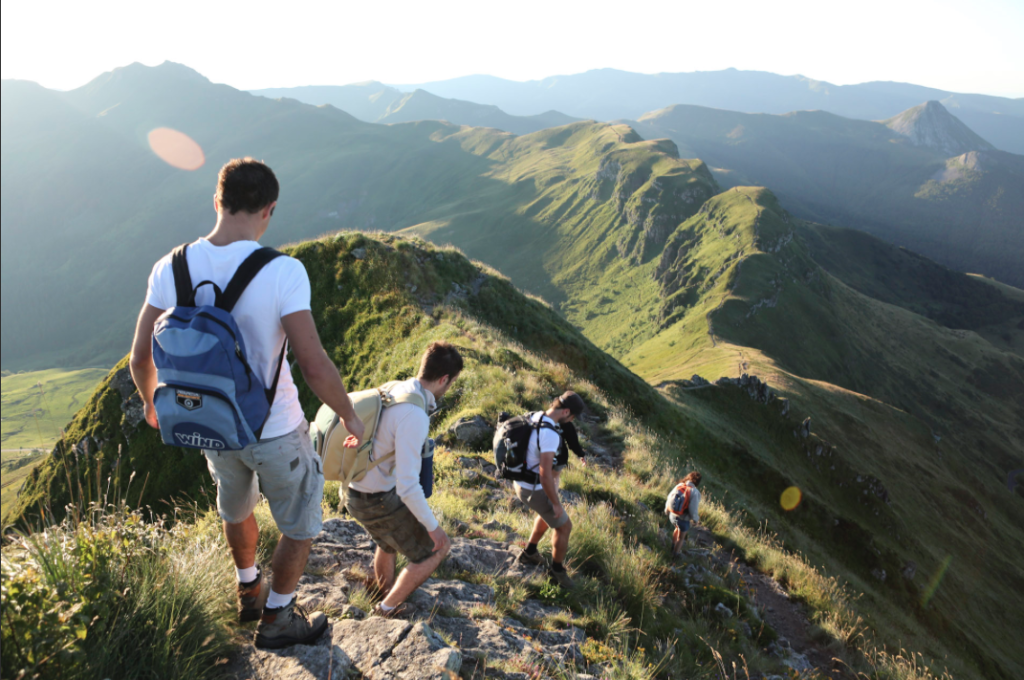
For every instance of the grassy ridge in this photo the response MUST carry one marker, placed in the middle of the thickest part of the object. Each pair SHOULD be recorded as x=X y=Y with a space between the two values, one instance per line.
x=928 y=411
x=962 y=211
x=376 y=313
x=375 y=328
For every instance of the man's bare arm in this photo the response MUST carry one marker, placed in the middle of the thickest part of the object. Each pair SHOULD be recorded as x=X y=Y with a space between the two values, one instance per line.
x=547 y=481
x=141 y=364
x=319 y=371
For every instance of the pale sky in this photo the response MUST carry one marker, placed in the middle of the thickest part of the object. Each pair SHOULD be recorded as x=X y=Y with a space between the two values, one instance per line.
x=960 y=46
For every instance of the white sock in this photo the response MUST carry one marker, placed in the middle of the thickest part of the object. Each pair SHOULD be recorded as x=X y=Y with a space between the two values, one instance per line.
x=247 y=575
x=275 y=600
x=386 y=608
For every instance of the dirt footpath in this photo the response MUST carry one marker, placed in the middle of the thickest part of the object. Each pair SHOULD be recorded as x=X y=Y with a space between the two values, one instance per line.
x=788 y=617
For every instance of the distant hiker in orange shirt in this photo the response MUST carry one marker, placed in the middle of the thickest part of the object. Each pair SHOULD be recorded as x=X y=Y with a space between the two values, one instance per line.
x=682 y=508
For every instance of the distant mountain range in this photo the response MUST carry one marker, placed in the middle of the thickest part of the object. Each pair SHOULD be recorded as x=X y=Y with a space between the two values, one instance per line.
x=921 y=179
x=912 y=374
x=608 y=94
x=374 y=102
x=87 y=207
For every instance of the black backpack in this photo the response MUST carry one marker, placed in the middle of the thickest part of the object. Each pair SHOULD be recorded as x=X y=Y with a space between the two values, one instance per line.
x=511 y=443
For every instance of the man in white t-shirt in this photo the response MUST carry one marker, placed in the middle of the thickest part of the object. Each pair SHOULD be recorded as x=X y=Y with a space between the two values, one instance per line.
x=542 y=497
x=389 y=501
x=275 y=307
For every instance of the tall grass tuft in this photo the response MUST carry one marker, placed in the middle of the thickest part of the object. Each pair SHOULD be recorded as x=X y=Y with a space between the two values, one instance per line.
x=112 y=595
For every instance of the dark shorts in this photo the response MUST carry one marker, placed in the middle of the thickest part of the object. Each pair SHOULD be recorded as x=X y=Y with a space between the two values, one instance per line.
x=679 y=522
x=391 y=525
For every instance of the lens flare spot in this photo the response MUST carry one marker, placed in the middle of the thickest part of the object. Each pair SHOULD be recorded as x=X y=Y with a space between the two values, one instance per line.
x=791 y=498
x=176 y=149
x=933 y=584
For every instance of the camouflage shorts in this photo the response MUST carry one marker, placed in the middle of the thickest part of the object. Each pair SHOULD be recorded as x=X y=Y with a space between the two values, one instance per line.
x=391 y=525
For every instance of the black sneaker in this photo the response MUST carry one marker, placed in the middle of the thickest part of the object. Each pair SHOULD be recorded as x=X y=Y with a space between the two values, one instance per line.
x=288 y=626
x=251 y=599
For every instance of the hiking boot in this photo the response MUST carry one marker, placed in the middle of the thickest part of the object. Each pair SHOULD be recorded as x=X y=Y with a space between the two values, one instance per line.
x=562 y=579
x=400 y=612
x=288 y=626
x=535 y=559
x=251 y=599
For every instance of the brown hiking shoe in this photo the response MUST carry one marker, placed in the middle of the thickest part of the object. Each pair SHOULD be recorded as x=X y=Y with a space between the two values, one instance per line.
x=562 y=579
x=251 y=599
x=289 y=626
x=535 y=559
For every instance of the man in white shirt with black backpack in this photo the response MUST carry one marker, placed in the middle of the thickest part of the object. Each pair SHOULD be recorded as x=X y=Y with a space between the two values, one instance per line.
x=542 y=497
x=272 y=309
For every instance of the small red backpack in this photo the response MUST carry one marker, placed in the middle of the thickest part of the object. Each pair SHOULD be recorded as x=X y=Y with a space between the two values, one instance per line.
x=681 y=502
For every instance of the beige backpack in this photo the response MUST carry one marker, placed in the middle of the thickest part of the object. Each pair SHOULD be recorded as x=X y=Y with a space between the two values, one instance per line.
x=328 y=432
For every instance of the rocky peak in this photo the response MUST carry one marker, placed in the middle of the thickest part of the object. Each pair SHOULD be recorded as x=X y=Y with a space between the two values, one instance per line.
x=932 y=126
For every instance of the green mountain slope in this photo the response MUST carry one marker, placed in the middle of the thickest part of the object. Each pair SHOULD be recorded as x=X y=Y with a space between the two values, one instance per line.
x=930 y=412
x=913 y=399
x=962 y=211
x=376 y=313
x=336 y=173
x=37 y=405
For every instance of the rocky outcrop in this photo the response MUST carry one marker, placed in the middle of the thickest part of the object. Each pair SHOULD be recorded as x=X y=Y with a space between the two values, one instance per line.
x=375 y=648
x=753 y=386
x=131 y=402
x=474 y=432
x=453 y=625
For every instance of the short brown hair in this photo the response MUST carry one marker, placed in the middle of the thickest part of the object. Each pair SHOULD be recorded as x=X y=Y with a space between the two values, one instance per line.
x=246 y=184
x=441 y=359
x=569 y=400
x=692 y=477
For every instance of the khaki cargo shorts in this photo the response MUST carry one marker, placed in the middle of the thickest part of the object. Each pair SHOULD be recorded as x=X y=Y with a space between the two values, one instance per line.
x=539 y=502
x=391 y=524
x=288 y=472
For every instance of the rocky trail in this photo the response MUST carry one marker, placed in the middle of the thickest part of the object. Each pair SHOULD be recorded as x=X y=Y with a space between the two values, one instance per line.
x=458 y=626
x=455 y=628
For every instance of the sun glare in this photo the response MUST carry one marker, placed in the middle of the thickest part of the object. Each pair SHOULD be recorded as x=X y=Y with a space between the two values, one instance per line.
x=791 y=498
x=176 y=149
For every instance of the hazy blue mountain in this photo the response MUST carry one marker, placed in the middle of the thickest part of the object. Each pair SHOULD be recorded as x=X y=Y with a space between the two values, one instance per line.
x=923 y=179
x=930 y=125
x=608 y=94
x=373 y=102
x=366 y=101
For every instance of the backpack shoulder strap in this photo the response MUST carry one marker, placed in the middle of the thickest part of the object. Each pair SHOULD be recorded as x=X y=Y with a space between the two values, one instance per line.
x=247 y=271
x=182 y=277
x=417 y=398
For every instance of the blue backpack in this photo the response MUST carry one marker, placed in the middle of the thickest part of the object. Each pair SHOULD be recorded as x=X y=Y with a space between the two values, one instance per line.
x=208 y=396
